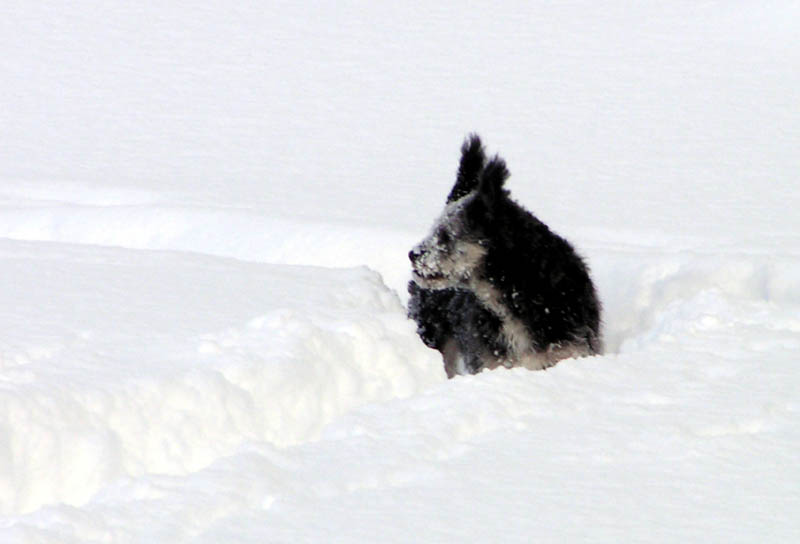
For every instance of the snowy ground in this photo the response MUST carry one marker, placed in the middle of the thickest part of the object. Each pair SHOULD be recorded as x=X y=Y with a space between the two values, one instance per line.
x=204 y=219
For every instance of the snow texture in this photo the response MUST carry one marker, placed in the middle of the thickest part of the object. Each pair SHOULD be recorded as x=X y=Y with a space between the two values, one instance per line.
x=205 y=212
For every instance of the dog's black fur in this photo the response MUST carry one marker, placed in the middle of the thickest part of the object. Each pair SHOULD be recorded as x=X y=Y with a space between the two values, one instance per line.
x=492 y=285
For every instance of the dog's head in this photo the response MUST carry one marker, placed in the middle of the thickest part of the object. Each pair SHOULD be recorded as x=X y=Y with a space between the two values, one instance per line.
x=455 y=249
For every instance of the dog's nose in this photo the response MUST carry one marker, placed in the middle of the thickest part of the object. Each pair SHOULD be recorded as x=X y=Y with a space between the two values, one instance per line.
x=413 y=256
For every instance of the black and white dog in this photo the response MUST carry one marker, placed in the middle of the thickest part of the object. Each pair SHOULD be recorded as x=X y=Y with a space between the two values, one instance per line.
x=493 y=286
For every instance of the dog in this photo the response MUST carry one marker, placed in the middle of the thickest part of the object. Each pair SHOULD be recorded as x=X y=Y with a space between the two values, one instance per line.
x=492 y=286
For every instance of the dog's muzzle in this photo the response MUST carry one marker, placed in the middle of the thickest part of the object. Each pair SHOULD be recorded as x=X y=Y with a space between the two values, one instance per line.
x=419 y=269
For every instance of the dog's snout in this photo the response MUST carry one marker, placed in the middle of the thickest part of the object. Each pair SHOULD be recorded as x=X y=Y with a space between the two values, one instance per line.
x=413 y=255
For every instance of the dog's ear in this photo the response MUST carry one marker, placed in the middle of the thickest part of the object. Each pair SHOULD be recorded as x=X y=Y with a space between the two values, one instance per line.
x=469 y=169
x=492 y=179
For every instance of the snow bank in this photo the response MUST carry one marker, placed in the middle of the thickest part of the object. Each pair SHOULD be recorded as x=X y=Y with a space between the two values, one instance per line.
x=650 y=295
x=122 y=364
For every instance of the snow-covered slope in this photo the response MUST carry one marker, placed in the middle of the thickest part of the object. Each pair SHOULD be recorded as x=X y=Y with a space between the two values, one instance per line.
x=204 y=219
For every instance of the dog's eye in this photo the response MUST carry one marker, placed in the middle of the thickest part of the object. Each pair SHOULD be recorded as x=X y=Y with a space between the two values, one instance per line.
x=444 y=237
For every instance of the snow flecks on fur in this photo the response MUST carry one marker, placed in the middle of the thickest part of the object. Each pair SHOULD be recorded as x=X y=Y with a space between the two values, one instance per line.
x=445 y=254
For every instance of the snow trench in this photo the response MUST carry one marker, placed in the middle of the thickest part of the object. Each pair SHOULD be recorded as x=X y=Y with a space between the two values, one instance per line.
x=211 y=340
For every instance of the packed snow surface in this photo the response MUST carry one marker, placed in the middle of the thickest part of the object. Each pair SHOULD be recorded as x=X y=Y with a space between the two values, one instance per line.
x=205 y=212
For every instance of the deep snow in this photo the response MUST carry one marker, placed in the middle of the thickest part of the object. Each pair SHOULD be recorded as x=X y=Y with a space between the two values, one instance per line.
x=204 y=219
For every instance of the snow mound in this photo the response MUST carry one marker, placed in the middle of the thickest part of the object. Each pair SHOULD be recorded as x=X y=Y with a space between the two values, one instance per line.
x=687 y=297
x=120 y=363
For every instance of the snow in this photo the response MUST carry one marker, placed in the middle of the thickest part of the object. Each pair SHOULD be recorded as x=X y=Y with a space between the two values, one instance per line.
x=205 y=212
